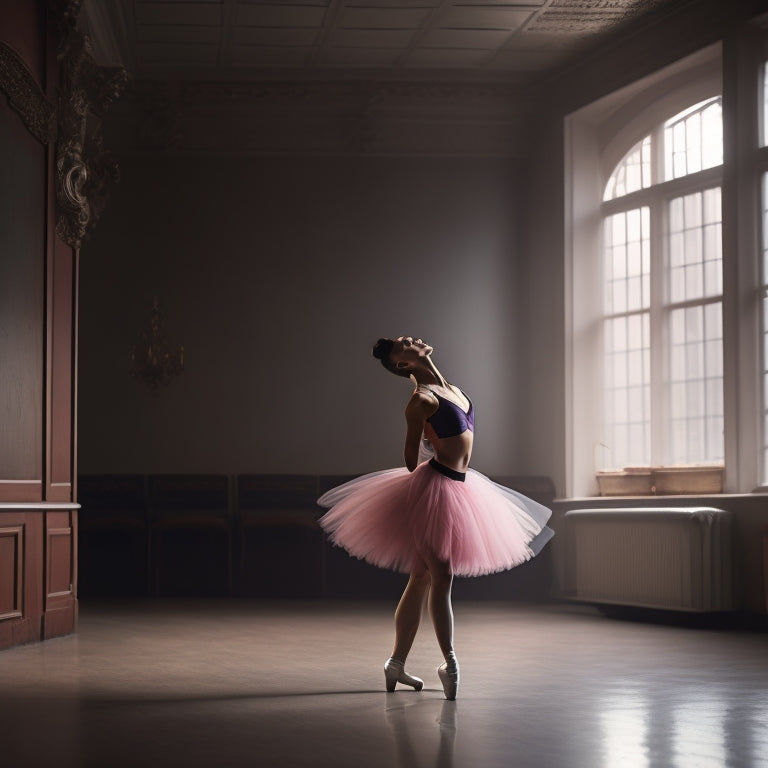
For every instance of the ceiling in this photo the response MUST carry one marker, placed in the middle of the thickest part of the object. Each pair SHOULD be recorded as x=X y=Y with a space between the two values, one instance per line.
x=347 y=77
x=518 y=41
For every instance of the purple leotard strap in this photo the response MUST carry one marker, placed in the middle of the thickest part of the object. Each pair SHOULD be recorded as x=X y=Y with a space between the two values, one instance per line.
x=450 y=419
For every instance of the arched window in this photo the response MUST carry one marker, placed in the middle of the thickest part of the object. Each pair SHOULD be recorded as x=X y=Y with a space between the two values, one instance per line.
x=662 y=278
x=667 y=309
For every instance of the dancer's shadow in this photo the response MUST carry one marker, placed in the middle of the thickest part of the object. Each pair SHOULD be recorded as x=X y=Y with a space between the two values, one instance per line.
x=424 y=730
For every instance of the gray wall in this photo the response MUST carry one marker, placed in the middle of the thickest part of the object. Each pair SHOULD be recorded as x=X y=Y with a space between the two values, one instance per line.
x=542 y=283
x=277 y=275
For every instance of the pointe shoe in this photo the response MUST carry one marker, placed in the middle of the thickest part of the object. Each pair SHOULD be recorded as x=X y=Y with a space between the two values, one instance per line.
x=394 y=672
x=448 y=672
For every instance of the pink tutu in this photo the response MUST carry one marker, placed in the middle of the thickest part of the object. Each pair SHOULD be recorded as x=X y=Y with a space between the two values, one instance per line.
x=389 y=518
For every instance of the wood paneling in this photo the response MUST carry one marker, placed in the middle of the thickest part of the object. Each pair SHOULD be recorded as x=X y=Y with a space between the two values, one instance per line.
x=22 y=583
x=21 y=26
x=61 y=346
x=38 y=327
x=22 y=314
x=59 y=562
x=11 y=575
x=21 y=490
x=59 y=554
x=60 y=573
x=38 y=573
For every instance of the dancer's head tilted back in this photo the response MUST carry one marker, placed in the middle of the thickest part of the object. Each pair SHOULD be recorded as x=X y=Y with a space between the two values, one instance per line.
x=382 y=351
x=402 y=355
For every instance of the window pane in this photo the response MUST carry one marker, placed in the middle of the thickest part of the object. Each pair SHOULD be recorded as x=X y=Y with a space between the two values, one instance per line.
x=693 y=139
x=696 y=383
x=627 y=384
x=712 y=206
x=765 y=110
x=693 y=142
x=632 y=173
x=695 y=247
x=625 y=261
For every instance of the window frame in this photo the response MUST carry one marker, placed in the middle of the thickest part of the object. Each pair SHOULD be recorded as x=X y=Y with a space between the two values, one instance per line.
x=596 y=138
x=761 y=180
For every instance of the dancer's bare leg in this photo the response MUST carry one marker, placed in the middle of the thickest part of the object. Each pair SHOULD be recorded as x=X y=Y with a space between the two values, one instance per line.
x=441 y=613
x=407 y=620
x=440 y=607
x=408 y=613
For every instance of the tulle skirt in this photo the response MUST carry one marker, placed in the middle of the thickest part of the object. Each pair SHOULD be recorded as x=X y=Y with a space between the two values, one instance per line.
x=391 y=518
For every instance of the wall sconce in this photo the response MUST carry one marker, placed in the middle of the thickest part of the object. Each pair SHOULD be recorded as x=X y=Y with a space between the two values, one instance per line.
x=151 y=357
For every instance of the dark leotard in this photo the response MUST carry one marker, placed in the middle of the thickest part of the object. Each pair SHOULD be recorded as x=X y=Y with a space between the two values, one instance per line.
x=450 y=419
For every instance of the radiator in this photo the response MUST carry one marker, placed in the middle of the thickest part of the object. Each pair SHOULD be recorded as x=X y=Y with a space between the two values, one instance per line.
x=670 y=558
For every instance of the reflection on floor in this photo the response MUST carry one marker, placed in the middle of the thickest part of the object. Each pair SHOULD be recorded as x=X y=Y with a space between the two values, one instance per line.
x=235 y=683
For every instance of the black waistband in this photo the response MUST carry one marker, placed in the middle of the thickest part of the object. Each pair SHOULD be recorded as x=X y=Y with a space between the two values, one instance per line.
x=447 y=471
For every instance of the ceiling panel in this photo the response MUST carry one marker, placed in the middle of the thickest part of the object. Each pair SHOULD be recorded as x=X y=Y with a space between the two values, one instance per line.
x=463 y=17
x=359 y=58
x=317 y=3
x=177 y=55
x=181 y=13
x=382 y=18
x=280 y=15
x=371 y=38
x=273 y=37
x=445 y=58
x=210 y=35
x=531 y=4
x=392 y=3
x=264 y=57
x=486 y=39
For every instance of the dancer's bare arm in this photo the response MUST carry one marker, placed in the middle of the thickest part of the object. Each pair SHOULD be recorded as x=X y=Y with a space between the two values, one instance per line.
x=420 y=407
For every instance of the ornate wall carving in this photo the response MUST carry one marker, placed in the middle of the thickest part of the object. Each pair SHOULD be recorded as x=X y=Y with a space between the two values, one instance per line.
x=26 y=96
x=84 y=167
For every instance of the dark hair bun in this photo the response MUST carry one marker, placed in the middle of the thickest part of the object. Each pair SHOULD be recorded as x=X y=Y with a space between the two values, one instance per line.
x=382 y=348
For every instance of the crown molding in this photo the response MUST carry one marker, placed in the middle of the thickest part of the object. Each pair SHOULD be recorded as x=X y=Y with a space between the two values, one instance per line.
x=321 y=117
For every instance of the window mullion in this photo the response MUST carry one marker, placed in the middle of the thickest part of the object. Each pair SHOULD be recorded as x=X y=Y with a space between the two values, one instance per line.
x=658 y=331
x=657 y=158
x=701 y=180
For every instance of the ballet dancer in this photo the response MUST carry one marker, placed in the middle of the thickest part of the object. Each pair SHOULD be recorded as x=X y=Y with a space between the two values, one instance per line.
x=435 y=517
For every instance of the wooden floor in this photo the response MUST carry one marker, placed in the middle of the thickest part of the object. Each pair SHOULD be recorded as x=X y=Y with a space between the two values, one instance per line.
x=239 y=683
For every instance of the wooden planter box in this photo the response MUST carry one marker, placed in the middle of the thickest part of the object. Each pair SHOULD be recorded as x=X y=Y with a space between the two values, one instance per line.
x=661 y=481
x=627 y=482
x=688 y=480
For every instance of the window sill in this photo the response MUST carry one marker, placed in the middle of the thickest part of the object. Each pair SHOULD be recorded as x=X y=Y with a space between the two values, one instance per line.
x=697 y=499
